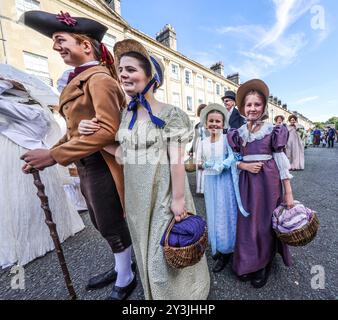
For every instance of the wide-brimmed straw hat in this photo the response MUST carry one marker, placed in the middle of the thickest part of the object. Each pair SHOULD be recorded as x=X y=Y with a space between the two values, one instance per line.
x=217 y=107
x=257 y=85
x=130 y=45
x=279 y=116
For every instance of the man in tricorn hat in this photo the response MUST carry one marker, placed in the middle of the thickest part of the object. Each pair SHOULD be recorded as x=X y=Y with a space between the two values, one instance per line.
x=92 y=90
x=235 y=119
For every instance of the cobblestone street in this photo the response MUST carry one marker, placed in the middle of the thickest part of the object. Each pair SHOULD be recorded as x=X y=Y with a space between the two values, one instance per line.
x=87 y=253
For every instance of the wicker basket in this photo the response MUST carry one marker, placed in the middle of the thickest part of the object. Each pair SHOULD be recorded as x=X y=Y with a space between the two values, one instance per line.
x=181 y=257
x=302 y=236
x=189 y=164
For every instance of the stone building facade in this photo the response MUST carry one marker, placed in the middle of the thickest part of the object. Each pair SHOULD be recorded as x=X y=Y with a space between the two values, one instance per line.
x=187 y=83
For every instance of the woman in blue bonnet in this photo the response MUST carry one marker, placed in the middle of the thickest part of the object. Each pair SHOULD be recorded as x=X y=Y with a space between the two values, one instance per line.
x=153 y=136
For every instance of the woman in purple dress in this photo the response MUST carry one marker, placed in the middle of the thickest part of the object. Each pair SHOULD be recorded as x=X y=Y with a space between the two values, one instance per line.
x=264 y=172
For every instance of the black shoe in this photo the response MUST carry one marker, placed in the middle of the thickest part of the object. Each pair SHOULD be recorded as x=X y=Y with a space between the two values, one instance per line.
x=216 y=256
x=260 y=278
x=122 y=293
x=222 y=261
x=245 y=277
x=104 y=279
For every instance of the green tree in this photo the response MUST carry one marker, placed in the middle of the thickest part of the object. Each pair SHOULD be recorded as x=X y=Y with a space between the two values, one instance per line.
x=333 y=120
x=319 y=125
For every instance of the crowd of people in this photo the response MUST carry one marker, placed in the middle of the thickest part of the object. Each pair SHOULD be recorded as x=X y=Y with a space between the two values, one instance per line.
x=130 y=204
x=241 y=166
x=129 y=151
x=324 y=137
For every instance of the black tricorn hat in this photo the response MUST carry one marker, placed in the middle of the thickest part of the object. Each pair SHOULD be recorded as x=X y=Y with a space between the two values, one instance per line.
x=48 y=23
x=230 y=95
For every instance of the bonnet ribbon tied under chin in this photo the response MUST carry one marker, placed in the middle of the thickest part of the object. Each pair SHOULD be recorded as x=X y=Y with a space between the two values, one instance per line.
x=140 y=98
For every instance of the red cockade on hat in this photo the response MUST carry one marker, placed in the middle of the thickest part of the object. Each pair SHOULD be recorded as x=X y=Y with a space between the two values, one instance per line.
x=105 y=56
x=66 y=18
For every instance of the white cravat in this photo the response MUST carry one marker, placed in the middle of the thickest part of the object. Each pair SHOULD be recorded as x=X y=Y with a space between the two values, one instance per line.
x=62 y=81
x=230 y=112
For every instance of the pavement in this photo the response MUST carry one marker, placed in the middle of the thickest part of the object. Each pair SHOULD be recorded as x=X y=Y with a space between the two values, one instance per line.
x=313 y=275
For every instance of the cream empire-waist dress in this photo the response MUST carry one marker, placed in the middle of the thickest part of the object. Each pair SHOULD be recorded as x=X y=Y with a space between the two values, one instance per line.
x=148 y=195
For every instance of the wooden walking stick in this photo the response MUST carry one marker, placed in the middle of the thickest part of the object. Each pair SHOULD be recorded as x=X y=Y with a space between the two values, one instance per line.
x=53 y=232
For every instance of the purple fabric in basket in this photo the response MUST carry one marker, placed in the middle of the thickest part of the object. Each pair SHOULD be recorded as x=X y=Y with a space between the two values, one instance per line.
x=186 y=232
x=288 y=220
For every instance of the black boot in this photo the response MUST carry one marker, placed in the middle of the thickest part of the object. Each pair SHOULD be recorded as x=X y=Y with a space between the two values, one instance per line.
x=222 y=261
x=245 y=277
x=260 y=277
x=122 y=293
x=103 y=279
x=216 y=256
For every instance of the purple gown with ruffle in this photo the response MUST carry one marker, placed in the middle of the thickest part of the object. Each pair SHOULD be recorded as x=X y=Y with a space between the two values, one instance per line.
x=256 y=242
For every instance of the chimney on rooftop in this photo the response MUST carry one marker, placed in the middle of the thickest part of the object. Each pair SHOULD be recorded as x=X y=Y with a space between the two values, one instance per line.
x=218 y=67
x=115 y=5
x=234 y=77
x=167 y=36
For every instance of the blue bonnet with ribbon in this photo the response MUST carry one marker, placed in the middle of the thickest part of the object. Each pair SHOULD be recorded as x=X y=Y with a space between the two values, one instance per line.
x=140 y=98
x=131 y=45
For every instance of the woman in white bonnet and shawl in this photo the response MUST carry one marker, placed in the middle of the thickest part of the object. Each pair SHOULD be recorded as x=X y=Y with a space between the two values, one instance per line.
x=27 y=123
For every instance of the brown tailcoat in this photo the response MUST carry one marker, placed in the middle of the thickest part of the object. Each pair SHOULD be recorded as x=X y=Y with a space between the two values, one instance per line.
x=93 y=93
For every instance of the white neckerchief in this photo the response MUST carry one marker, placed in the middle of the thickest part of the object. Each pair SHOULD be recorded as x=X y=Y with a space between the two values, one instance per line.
x=62 y=81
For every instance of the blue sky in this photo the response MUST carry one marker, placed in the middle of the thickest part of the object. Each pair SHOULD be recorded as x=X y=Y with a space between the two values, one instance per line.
x=290 y=44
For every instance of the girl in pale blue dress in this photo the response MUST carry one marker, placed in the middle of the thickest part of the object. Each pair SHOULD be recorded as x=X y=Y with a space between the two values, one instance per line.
x=217 y=160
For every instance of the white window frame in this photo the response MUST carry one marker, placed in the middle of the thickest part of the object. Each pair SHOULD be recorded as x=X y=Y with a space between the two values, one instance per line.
x=190 y=80
x=190 y=106
x=199 y=81
x=176 y=99
x=37 y=65
x=160 y=96
x=175 y=75
x=218 y=89
x=210 y=85
x=109 y=40
x=26 y=5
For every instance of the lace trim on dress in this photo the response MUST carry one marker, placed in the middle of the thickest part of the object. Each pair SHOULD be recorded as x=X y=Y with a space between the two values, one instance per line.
x=248 y=136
